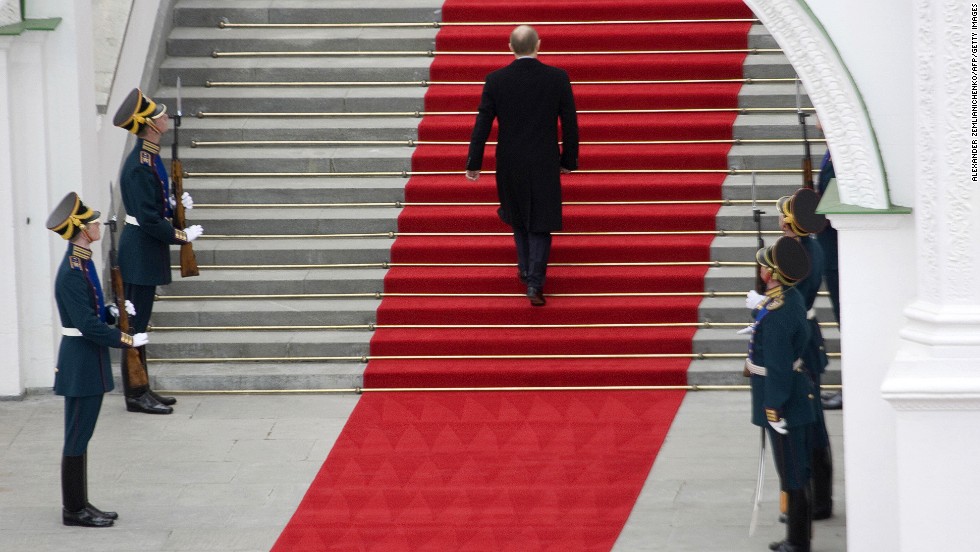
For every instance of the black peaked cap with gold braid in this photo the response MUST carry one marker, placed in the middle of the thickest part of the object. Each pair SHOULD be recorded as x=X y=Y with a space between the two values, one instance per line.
x=136 y=110
x=800 y=212
x=70 y=216
x=787 y=258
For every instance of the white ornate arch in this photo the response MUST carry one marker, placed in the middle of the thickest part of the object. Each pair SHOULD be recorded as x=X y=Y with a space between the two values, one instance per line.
x=861 y=177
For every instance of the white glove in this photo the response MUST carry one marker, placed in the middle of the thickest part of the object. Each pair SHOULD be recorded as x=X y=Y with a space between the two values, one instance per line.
x=750 y=329
x=130 y=308
x=173 y=201
x=780 y=426
x=193 y=232
x=753 y=298
x=187 y=200
x=114 y=311
x=140 y=339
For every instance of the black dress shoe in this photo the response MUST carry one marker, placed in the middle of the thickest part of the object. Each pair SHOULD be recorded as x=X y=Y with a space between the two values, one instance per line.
x=84 y=518
x=147 y=404
x=99 y=513
x=536 y=297
x=169 y=401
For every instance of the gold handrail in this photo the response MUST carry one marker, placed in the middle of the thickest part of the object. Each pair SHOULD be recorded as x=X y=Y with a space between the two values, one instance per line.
x=424 y=83
x=382 y=294
x=387 y=265
x=224 y=24
x=366 y=358
x=406 y=174
x=362 y=390
x=401 y=204
x=314 y=114
x=393 y=235
x=372 y=327
x=413 y=143
x=432 y=53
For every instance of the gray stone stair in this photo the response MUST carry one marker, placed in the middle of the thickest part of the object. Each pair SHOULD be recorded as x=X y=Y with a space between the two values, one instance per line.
x=322 y=283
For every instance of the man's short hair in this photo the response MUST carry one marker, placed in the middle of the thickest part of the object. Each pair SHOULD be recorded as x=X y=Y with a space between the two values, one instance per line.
x=524 y=40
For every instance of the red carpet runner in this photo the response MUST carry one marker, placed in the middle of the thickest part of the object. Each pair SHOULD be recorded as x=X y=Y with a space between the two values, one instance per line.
x=555 y=470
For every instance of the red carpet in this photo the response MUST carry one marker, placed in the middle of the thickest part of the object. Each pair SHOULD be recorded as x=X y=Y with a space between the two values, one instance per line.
x=547 y=470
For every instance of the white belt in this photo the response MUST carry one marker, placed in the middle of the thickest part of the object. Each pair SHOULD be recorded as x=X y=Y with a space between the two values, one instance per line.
x=70 y=332
x=130 y=219
x=761 y=370
x=811 y=314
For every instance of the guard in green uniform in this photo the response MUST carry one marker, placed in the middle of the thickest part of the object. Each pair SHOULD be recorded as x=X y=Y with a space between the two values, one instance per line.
x=144 y=247
x=782 y=394
x=83 y=374
x=801 y=221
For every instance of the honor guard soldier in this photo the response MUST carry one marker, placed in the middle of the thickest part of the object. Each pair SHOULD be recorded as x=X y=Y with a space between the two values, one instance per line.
x=83 y=374
x=801 y=221
x=144 y=247
x=782 y=393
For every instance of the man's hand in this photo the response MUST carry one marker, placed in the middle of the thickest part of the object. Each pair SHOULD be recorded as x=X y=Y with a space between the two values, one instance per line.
x=187 y=200
x=130 y=308
x=140 y=339
x=780 y=426
x=193 y=232
x=472 y=176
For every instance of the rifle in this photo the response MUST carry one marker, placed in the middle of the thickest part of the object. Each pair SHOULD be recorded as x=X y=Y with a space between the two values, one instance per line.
x=188 y=262
x=135 y=371
x=807 y=158
x=760 y=286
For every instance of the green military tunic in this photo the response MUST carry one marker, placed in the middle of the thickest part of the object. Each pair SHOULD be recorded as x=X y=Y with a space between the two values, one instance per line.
x=83 y=367
x=144 y=248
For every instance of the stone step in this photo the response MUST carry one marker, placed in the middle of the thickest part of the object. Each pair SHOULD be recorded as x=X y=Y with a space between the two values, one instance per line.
x=304 y=99
x=264 y=282
x=288 y=251
x=242 y=376
x=729 y=372
x=207 y=13
x=197 y=71
x=204 y=41
x=725 y=340
x=768 y=186
x=293 y=345
x=263 y=312
x=295 y=190
x=732 y=309
x=299 y=221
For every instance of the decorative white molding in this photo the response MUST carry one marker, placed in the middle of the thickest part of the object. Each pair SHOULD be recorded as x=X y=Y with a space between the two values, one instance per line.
x=953 y=386
x=9 y=12
x=860 y=172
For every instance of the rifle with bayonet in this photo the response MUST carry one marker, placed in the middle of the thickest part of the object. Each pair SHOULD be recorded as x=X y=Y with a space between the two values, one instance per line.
x=132 y=365
x=188 y=261
x=807 y=157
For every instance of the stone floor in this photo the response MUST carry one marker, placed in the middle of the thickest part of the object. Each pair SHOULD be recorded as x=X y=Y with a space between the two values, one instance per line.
x=225 y=473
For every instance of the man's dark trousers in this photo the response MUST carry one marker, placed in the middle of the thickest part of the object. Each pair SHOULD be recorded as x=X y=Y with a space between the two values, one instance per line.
x=533 y=249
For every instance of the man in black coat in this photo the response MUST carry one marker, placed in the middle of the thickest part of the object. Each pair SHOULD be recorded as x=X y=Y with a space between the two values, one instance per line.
x=528 y=98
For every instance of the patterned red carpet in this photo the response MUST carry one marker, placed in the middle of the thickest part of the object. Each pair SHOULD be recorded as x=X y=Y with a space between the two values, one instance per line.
x=549 y=470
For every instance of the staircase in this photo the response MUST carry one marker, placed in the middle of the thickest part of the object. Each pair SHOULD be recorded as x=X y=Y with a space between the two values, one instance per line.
x=316 y=258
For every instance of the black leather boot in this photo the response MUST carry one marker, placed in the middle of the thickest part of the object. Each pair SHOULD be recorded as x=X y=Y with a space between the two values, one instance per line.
x=144 y=402
x=167 y=401
x=88 y=505
x=74 y=511
x=822 y=482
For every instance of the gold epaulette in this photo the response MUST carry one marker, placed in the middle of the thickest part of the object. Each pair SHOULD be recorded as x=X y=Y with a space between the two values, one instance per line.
x=78 y=256
x=775 y=298
x=149 y=150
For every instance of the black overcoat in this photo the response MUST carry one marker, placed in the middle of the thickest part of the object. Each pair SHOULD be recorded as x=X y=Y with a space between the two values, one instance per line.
x=528 y=98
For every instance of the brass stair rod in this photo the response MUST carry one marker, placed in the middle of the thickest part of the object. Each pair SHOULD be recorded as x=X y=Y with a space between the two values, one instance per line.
x=413 y=143
x=366 y=358
x=423 y=83
x=432 y=53
x=362 y=390
x=224 y=24
x=393 y=235
x=386 y=265
x=372 y=327
x=381 y=294
x=400 y=204
x=312 y=114
x=406 y=174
